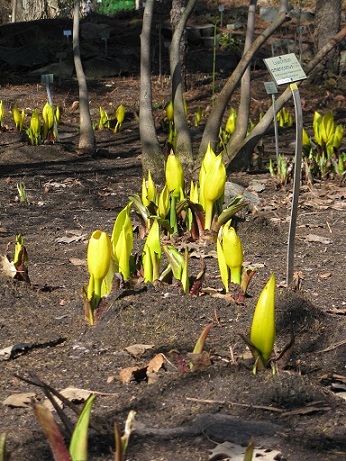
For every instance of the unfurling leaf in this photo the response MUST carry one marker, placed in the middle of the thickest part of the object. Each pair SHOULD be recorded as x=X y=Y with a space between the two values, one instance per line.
x=79 y=440
x=52 y=432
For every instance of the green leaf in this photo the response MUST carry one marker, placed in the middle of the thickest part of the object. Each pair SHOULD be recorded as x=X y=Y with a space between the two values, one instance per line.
x=233 y=208
x=79 y=439
x=4 y=454
x=185 y=273
x=175 y=259
x=127 y=432
x=224 y=271
x=249 y=450
x=199 y=346
x=141 y=209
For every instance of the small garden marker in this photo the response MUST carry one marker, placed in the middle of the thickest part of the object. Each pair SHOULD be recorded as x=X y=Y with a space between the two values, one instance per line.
x=287 y=69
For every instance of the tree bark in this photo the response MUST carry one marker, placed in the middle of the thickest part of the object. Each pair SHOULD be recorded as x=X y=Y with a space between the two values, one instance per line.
x=245 y=90
x=183 y=140
x=176 y=12
x=328 y=18
x=211 y=131
x=244 y=149
x=35 y=9
x=87 y=144
x=152 y=156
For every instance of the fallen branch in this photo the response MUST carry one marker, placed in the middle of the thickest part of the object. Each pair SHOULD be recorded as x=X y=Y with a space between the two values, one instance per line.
x=246 y=405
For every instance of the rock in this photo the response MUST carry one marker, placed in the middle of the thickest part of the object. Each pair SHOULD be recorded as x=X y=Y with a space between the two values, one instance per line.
x=101 y=68
x=232 y=190
x=64 y=70
x=268 y=13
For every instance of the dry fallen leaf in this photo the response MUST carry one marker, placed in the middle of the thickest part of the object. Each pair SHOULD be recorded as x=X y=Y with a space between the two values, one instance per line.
x=138 y=349
x=156 y=363
x=129 y=374
x=326 y=275
x=73 y=394
x=71 y=239
x=318 y=239
x=77 y=261
x=200 y=361
x=19 y=400
x=233 y=452
x=7 y=267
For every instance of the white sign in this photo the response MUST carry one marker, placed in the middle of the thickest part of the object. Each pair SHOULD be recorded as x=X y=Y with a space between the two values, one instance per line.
x=47 y=78
x=270 y=87
x=285 y=69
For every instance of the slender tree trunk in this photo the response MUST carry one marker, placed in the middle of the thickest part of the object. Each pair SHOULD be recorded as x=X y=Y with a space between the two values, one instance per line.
x=176 y=12
x=152 y=156
x=87 y=144
x=245 y=90
x=284 y=4
x=14 y=11
x=183 y=140
x=328 y=18
x=211 y=131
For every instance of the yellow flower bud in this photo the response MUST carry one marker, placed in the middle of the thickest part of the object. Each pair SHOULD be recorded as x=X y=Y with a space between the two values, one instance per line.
x=99 y=255
x=163 y=207
x=120 y=114
x=233 y=253
x=57 y=114
x=214 y=187
x=48 y=116
x=208 y=159
x=169 y=111
x=35 y=123
x=231 y=121
x=263 y=323
x=174 y=174
x=144 y=194
x=193 y=192
x=152 y=193
x=306 y=139
x=18 y=117
x=2 y=112
x=336 y=138
x=152 y=254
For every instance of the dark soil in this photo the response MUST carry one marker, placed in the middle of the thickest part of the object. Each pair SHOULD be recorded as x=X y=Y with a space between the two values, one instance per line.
x=180 y=416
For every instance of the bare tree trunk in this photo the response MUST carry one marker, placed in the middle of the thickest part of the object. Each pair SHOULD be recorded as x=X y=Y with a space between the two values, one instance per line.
x=211 y=131
x=35 y=9
x=328 y=18
x=176 y=12
x=183 y=141
x=87 y=144
x=244 y=148
x=152 y=156
x=283 y=8
x=245 y=90
x=14 y=11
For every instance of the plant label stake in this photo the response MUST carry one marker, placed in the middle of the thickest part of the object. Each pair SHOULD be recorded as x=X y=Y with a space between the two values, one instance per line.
x=47 y=79
x=221 y=10
x=272 y=89
x=105 y=37
x=287 y=69
x=67 y=34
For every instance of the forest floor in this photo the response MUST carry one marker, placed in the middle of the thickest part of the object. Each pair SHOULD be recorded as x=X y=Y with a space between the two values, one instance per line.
x=180 y=415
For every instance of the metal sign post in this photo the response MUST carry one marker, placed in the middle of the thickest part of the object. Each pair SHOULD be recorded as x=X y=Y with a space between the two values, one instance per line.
x=271 y=88
x=287 y=69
